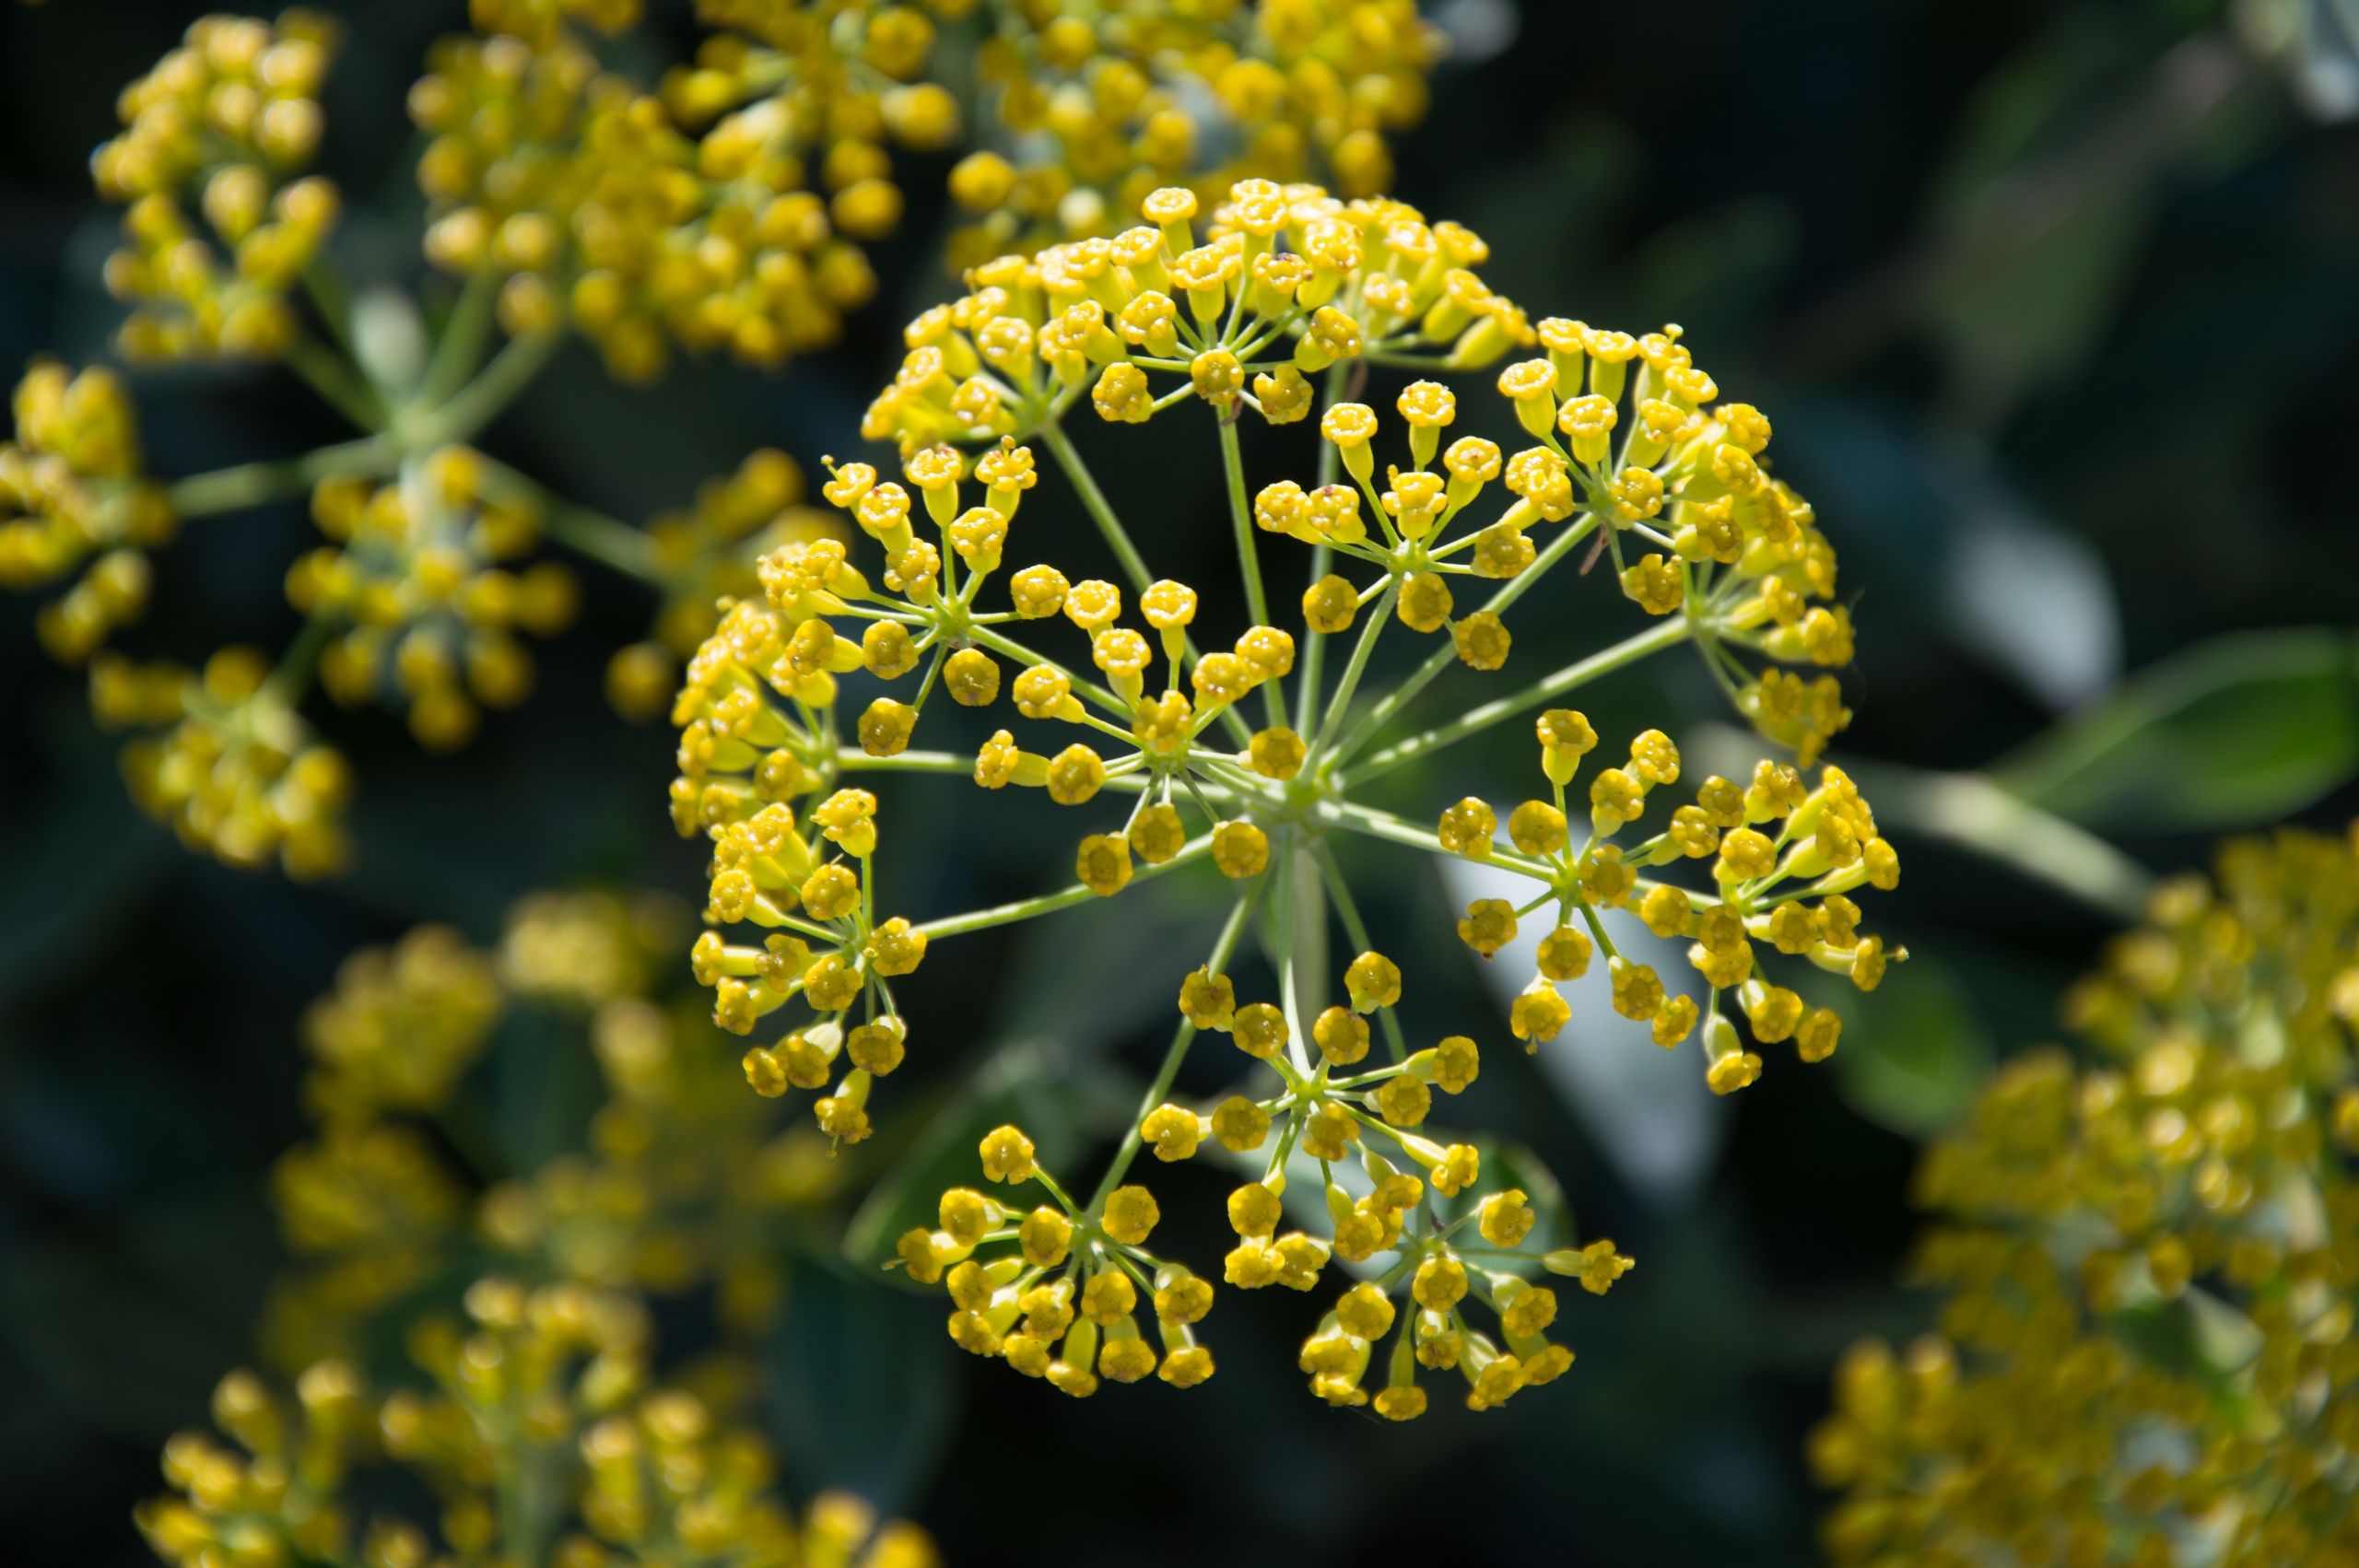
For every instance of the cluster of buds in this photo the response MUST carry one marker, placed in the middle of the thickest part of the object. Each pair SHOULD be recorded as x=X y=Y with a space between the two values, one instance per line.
x=224 y=760
x=682 y=1179
x=1285 y=296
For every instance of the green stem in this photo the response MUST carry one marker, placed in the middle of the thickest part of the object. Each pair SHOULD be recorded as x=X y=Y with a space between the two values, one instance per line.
x=1666 y=633
x=1355 y=928
x=1049 y=903
x=1341 y=703
x=460 y=348
x=509 y=372
x=1249 y=559
x=1375 y=824
x=1102 y=511
x=326 y=373
x=605 y=539
x=1165 y=1075
x=1314 y=643
x=1975 y=813
x=912 y=762
x=252 y=484
x=292 y=675
x=1118 y=539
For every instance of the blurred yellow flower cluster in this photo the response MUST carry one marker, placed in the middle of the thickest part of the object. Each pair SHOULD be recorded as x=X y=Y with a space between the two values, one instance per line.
x=1281 y=304
x=537 y=1434
x=225 y=761
x=418 y=573
x=73 y=498
x=226 y=117
x=680 y=1179
x=522 y=1302
x=2148 y=1258
x=726 y=210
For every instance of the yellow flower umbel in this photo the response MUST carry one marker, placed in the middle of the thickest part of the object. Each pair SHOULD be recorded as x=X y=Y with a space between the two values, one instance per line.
x=1242 y=746
x=73 y=498
x=1056 y=1291
x=1095 y=108
x=1784 y=858
x=2147 y=1260
x=551 y=1382
x=225 y=118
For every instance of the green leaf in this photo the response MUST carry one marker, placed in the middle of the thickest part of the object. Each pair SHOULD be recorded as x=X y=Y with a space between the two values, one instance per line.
x=862 y=1393
x=2237 y=731
x=1913 y=1053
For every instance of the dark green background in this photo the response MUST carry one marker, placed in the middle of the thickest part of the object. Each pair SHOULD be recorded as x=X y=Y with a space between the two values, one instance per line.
x=2056 y=310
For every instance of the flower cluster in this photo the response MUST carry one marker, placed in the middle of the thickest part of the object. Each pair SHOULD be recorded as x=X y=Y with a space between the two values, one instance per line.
x=726 y=210
x=73 y=498
x=225 y=117
x=1784 y=857
x=226 y=761
x=1095 y=108
x=417 y=575
x=1285 y=299
x=550 y=1382
x=681 y=1179
x=1054 y=1293
x=2148 y=1260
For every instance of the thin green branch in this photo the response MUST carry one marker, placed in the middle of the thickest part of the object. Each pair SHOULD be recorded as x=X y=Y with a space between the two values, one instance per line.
x=1231 y=931
x=1118 y=539
x=1375 y=824
x=1049 y=903
x=509 y=372
x=252 y=484
x=1249 y=559
x=1666 y=633
x=1372 y=723
x=606 y=539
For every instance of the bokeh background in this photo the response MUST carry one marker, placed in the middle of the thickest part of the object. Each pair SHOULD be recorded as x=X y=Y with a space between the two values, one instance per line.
x=2056 y=309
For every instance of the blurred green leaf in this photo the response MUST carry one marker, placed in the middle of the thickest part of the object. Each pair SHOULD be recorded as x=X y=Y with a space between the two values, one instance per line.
x=1914 y=1052
x=2234 y=732
x=861 y=1396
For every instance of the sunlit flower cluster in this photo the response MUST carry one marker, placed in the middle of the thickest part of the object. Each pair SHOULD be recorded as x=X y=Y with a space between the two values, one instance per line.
x=225 y=118
x=2148 y=1257
x=550 y=1382
x=1242 y=754
x=1784 y=858
x=73 y=498
x=418 y=573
